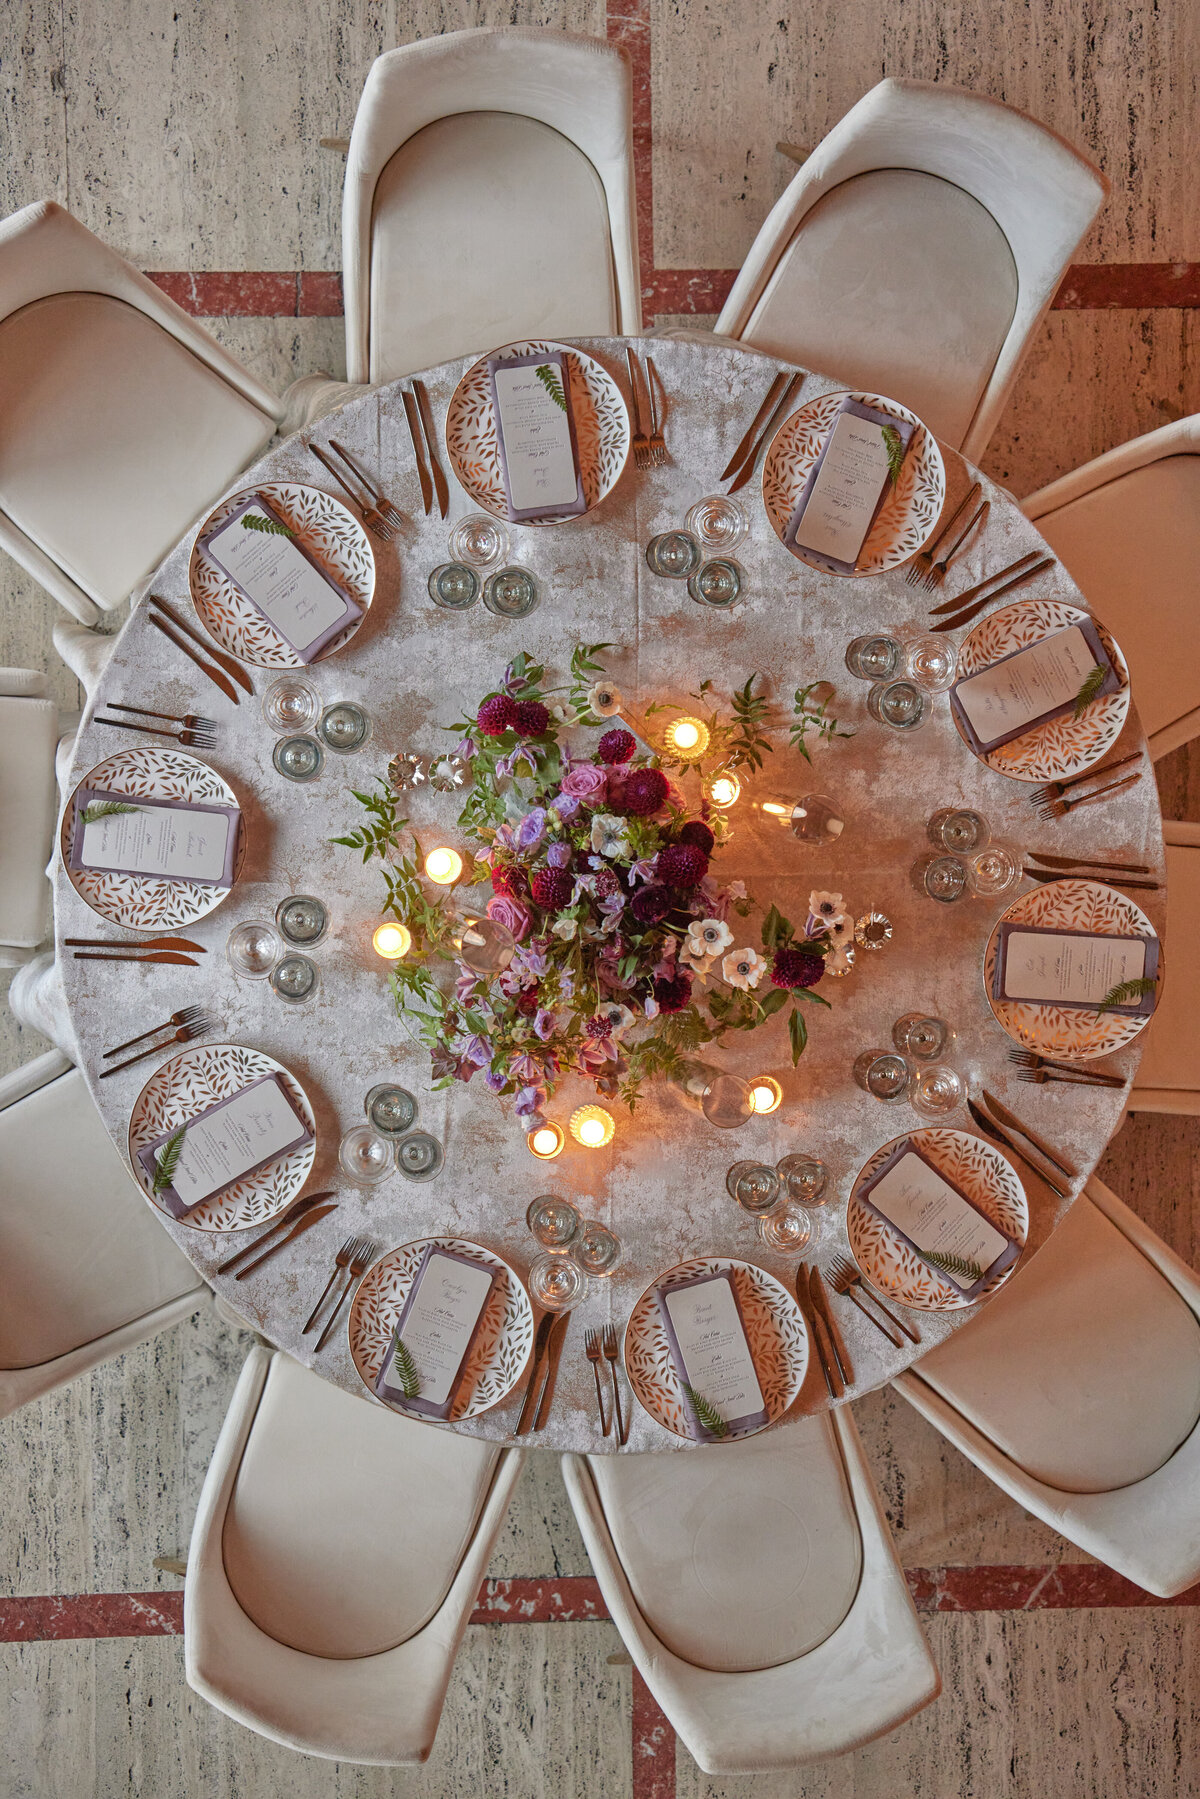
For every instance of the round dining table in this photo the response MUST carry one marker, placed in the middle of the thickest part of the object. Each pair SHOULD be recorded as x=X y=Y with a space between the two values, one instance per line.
x=416 y=669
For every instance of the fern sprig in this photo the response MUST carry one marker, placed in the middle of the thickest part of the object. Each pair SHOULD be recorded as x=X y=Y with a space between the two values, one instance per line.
x=254 y=521
x=105 y=809
x=959 y=1268
x=706 y=1412
x=1127 y=993
x=406 y=1368
x=1093 y=681
x=548 y=376
x=894 y=446
x=168 y=1159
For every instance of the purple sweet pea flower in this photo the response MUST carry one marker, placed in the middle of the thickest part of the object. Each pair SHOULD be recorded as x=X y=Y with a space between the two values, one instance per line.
x=466 y=749
x=613 y=903
x=531 y=958
x=512 y=683
x=465 y=983
x=524 y=1068
x=529 y=1100
x=494 y=1081
x=545 y=1024
x=531 y=829
x=505 y=838
x=559 y=855
x=479 y=1052
x=643 y=869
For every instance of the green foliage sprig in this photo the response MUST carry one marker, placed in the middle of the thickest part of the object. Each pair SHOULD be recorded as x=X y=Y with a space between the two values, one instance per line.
x=168 y=1160
x=894 y=446
x=1093 y=681
x=1127 y=993
x=959 y=1268
x=813 y=718
x=548 y=376
x=105 y=809
x=706 y=1412
x=406 y=1368
x=254 y=521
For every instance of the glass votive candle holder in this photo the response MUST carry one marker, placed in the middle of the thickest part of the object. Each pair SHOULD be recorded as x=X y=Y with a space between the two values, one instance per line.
x=298 y=758
x=673 y=554
x=716 y=583
x=510 y=593
x=592 y=1126
x=556 y=1282
x=882 y=1074
x=295 y=979
x=291 y=704
x=922 y=1036
x=941 y=878
x=390 y=1109
x=391 y=941
x=252 y=949
x=686 y=739
x=722 y=788
x=302 y=919
x=817 y=819
x=754 y=1185
x=873 y=658
x=718 y=522
x=596 y=1249
x=786 y=1229
x=931 y=661
x=553 y=1221
x=344 y=728
x=992 y=871
x=937 y=1089
x=766 y=1095
x=454 y=586
x=443 y=865
x=546 y=1141
x=959 y=829
x=479 y=540
x=804 y=1177
x=419 y=1156
x=365 y=1157
x=900 y=705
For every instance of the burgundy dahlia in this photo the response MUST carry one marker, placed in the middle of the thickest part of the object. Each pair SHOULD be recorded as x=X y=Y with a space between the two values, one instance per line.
x=616 y=747
x=527 y=1001
x=796 y=968
x=697 y=832
x=673 y=996
x=650 y=905
x=645 y=791
x=598 y=1027
x=551 y=888
x=497 y=715
x=510 y=878
x=681 y=865
x=607 y=884
x=532 y=718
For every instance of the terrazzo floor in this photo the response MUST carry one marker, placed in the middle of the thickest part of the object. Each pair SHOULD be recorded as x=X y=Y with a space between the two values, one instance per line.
x=189 y=138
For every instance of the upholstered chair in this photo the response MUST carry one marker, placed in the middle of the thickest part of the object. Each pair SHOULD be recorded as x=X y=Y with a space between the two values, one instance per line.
x=1168 y=1075
x=29 y=733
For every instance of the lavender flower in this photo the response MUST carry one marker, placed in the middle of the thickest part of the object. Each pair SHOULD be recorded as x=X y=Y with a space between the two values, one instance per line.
x=478 y=1052
x=566 y=806
x=545 y=1024
x=493 y=1081
x=559 y=855
x=532 y=829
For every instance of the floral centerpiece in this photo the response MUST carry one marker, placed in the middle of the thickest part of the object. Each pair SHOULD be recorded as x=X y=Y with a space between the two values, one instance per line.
x=626 y=952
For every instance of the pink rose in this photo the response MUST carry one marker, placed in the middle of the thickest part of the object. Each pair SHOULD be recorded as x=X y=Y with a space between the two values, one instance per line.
x=510 y=913
x=585 y=782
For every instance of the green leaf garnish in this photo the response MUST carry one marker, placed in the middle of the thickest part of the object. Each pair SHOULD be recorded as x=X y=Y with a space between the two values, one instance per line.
x=798 y=1035
x=548 y=377
x=406 y=1368
x=895 y=452
x=957 y=1267
x=1093 y=681
x=706 y=1412
x=105 y=809
x=1126 y=993
x=168 y=1159
x=254 y=521
x=809 y=717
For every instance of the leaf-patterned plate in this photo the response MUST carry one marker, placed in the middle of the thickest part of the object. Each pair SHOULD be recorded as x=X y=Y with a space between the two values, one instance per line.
x=503 y=1343
x=601 y=430
x=985 y=1176
x=1066 y=746
x=775 y=1330
x=907 y=516
x=331 y=535
x=1075 y=1032
x=146 y=902
x=182 y=1088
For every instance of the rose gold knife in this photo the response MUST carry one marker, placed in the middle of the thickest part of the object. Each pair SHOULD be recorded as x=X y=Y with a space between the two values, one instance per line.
x=820 y=1299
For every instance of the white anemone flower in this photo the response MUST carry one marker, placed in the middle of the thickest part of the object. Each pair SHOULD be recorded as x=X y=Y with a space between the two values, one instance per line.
x=619 y=1016
x=708 y=936
x=564 y=928
x=604 y=699
x=698 y=963
x=608 y=835
x=841 y=928
x=743 y=968
x=825 y=905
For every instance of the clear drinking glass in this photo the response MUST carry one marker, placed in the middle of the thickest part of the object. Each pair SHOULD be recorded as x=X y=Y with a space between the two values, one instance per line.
x=391 y=1109
x=252 y=949
x=804 y=1177
x=936 y=1090
x=291 y=704
x=718 y=522
x=873 y=658
x=453 y=586
x=817 y=819
x=479 y=540
x=993 y=870
x=596 y=1249
x=931 y=661
x=724 y=1099
x=882 y=1074
x=510 y=593
x=942 y=878
x=920 y=1035
x=673 y=554
x=301 y=918
x=295 y=979
x=419 y=1156
x=787 y=1230
x=365 y=1157
x=556 y=1282
x=553 y=1221
x=755 y=1186
x=344 y=727
x=485 y=946
x=298 y=758
x=716 y=583
x=958 y=829
x=901 y=705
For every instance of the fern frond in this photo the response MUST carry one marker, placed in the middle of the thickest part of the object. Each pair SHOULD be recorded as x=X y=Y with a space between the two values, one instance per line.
x=706 y=1412
x=105 y=809
x=1093 y=681
x=406 y=1368
x=894 y=446
x=959 y=1268
x=548 y=377
x=168 y=1159
x=1126 y=993
x=254 y=521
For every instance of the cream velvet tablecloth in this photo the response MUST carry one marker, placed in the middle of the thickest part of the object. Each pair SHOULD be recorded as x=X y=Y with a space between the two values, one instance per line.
x=661 y=1182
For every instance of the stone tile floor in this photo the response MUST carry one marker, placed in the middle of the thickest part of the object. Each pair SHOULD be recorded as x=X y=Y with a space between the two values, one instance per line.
x=189 y=139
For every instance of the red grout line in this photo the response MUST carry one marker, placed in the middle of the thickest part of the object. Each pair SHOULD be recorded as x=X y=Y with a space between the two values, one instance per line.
x=569 y=1599
x=653 y=1746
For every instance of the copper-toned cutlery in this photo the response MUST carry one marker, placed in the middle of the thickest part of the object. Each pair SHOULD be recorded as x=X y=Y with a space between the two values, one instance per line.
x=191 y=721
x=537 y=1373
x=960 y=619
x=922 y=562
x=594 y=1351
x=370 y=514
x=111 y=955
x=188 y=1015
x=820 y=1299
x=435 y=468
x=772 y=425
x=138 y=943
x=415 y=432
x=1060 y=808
x=296 y=1210
x=819 y=1332
x=187 y=1033
x=622 y=1418
x=641 y=443
x=364 y=1253
x=199 y=740
x=936 y=572
x=999 y=1110
x=658 y=447
x=390 y=512
x=844 y=1278
x=990 y=1128
x=1054 y=790
x=553 y=1356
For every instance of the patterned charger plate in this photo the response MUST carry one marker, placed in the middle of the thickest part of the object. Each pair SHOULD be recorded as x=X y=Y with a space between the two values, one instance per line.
x=1077 y=1032
x=907 y=516
x=988 y=1180
x=332 y=536
x=1066 y=746
x=502 y=1346
x=183 y=1087
x=601 y=429
x=146 y=902
x=774 y=1327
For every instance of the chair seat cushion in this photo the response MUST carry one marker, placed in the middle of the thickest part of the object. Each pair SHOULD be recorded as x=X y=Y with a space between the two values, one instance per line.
x=740 y=1556
x=81 y=1253
x=1085 y=1370
x=348 y=1522
x=1171 y=1058
x=487 y=228
x=900 y=284
x=28 y=798
x=1133 y=545
x=113 y=437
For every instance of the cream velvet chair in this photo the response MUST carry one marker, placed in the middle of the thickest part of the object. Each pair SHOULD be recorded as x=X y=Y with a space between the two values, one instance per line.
x=1128 y=527
x=1168 y=1076
x=916 y=252
x=1077 y=1390
x=29 y=732
x=120 y=419
x=756 y=1587
x=489 y=197
x=335 y=1560
x=86 y=1269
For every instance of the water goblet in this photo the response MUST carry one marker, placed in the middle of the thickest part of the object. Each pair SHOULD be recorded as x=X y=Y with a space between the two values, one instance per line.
x=453 y=586
x=716 y=583
x=364 y=1157
x=479 y=540
x=510 y=593
x=873 y=658
x=755 y=1186
x=993 y=870
x=419 y=1156
x=391 y=1109
x=553 y=1221
x=941 y=878
x=817 y=819
x=882 y=1074
x=673 y=554
x=717 y=522
x=344 y=727
x=920 y=1035
x=252 y=949
x=596 y=1249
x=786 y=1229
x=295 y=979
x=937 y=1090
x=291 y=704
x=301 y=918
x=931 y=661
x=298 y=758
x=805 y=1178
x=556 y=1283
x=901 y=705
x=958 y=829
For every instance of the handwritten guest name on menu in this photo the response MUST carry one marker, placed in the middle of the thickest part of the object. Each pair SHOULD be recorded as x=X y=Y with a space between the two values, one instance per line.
x=845 y=494
x=276 y=576
x=239 y=1135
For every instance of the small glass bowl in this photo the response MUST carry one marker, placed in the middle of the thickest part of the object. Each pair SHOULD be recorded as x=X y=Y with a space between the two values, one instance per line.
x=937 y=1090
x=298 y=758
x=454 y=586
x=295 y=979
x=673 y=554
x=419 y=1156
x=941 y=878
x=390 y=1109
x=553 y=1221
x=364 y=1157
x=510 y=593
x=479 y=540
x=901 y=705
x=717 y=583
x=302 y=919
x=931 y=661
x=556 y=1283
x=596 y=1249
x=958 y=829
x=787 y=1230
x=754 y=1185
x=252 y=949
x=873 y=658
x=718 y=523
x=920 y=1035
x=291 y=704
x=992 y=871
x=344 y=728
x=883 y=1074
x=805 y=1179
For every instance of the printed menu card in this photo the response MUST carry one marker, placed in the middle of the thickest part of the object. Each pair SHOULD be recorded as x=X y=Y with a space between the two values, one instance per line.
x=1031 y=686
x=176 y=840
x=1042 y=966
x=707 y=1338
x=259 y=552
x=934 y=1217
x=535 y=424
x=225 y=1142
x=847 y=485
x=435 y=1331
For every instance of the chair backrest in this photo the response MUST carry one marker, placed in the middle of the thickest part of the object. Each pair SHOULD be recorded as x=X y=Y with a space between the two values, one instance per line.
x=28 y=797
x=576 y=87
x=1040 y=192
x=1168 y=1076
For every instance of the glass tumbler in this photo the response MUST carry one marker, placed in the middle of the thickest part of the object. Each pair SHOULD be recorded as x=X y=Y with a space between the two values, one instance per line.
x=479 y=540
x=724 y=1099
x=673 y=554
x=510 y=593
x=596 y=1249
x=391 y=1109
x=931 y=662
x=901 y=705
x=873 y=658
x=419 y=1156
x=365 y=1157
x=817 y=819
x=936 y=1090
x=252 y=949
x=344 y=727
x=454 y=586
x=941 y=878
x=298 y=758
x=295 y=979
x=754 y=1185
x=921 y=1036
x=958 y=829
x=553 y=1221
x=556 y=1283
x=716 y=583
x=301 y=918
x=718 y=523
x=786 y=1229
x=291 y=704
x=882 y=1074
x=993 y=870
x=804 y=1177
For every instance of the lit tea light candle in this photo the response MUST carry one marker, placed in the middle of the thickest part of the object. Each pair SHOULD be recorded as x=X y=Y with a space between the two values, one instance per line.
x=546 y=1142
x=765 y=1093
x=443 y=866
x=686 y=739
x=391 y=941
x=722 y=789
x=592 y=1126
x=777 y=807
